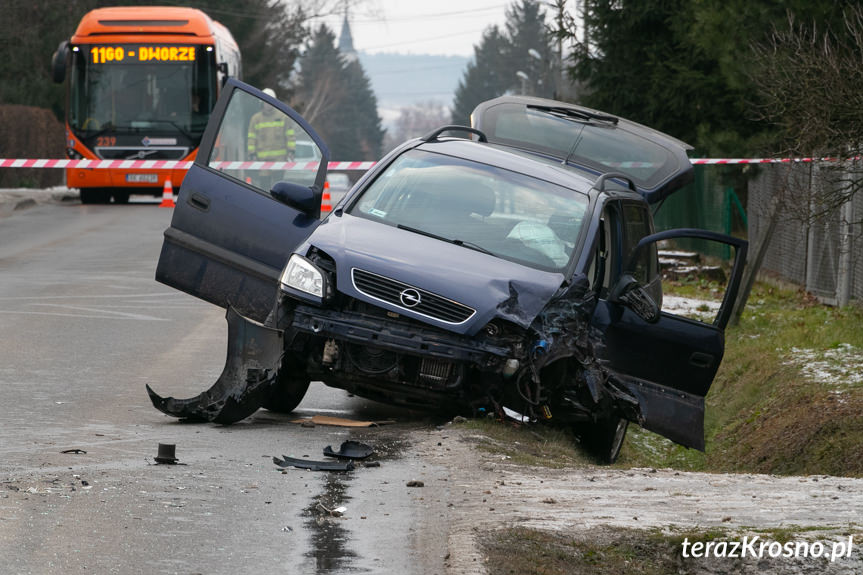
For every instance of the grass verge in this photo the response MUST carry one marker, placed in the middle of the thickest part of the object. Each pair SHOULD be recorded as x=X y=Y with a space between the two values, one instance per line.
x=787 y=398
x=611 y=551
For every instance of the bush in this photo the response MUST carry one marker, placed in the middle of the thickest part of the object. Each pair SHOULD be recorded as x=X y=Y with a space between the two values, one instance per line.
x=29 y=132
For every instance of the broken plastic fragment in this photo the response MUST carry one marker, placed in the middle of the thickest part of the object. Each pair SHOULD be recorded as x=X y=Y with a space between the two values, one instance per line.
x=337 y=512
x=512 y=414
x=314 y=465
x=350 y=450
x=339 y=421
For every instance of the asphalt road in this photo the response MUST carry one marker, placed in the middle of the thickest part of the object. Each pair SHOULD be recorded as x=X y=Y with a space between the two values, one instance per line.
x=83 y=328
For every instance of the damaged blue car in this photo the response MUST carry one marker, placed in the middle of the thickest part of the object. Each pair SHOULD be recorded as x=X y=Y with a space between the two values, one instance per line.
x=507 y=264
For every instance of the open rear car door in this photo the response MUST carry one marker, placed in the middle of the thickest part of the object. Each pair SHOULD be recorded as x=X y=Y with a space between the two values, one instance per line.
x=230 y=236
x=592 y=141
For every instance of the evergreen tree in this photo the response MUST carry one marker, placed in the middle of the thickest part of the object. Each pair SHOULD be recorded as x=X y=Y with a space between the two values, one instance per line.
x=528 y=48
x=269 y=34
x=335 y=96
x=524 y=46
x=484 y=77
x=684 y=67
x=641 y=65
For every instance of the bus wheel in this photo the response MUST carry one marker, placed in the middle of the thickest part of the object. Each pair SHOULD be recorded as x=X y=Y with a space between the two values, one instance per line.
x=121 y=197
x=94 y=196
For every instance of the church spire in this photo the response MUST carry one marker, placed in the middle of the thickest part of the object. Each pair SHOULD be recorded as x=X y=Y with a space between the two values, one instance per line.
x=346 y=41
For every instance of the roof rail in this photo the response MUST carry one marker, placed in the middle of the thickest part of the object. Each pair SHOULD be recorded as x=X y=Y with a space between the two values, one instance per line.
x=600 y=181
x=433 y=135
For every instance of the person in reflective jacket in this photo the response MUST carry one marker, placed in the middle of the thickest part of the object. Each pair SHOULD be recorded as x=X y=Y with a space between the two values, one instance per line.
x=271 y=138
x=271 y=135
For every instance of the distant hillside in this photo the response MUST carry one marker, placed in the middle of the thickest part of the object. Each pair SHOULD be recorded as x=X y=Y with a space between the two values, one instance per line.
x=401 y=80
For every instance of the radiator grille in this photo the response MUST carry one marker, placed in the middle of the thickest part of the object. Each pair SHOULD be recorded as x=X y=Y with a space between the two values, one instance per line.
x=393 y=292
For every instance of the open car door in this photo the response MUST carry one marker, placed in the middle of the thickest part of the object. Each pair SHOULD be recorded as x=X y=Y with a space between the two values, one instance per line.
x=665 y=349
x=230 y=236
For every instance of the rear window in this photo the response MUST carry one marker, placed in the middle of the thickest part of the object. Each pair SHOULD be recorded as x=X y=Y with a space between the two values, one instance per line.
x=597 y=144
x=508 y=214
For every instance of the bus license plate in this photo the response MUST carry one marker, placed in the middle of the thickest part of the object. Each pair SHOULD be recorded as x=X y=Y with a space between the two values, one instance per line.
x=142 y=178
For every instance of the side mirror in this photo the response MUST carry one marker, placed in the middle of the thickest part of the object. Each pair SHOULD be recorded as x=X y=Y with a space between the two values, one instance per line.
x=628 y=292
x=58 y=62
x=300 y=197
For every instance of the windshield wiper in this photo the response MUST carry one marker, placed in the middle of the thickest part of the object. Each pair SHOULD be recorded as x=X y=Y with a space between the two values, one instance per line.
x=562 y=112
x=460 y=243
x=96 y=133
x=177 y=126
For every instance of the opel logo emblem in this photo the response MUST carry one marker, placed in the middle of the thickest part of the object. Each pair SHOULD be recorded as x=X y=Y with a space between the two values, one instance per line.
x=410 y=298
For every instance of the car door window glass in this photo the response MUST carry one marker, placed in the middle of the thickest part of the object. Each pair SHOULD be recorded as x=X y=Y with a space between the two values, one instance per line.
x=260 y=145
x=695 y=275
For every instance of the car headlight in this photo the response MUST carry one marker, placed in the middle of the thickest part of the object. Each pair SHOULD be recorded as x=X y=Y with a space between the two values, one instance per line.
x=302 y=275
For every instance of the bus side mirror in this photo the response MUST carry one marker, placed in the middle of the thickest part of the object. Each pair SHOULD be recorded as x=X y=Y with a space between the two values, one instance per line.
x=58 y=62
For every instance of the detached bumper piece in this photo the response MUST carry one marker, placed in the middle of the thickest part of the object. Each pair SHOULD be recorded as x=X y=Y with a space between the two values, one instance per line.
x=313 y=465
x=251 y=367
x=350 y=450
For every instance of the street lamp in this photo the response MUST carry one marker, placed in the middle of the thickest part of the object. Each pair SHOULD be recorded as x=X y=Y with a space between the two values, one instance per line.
x=524 y=78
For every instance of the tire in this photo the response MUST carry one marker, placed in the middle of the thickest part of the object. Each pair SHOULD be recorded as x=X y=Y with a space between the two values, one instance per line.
x=94 y=196
x=287 y=395
x=121 y=197
x=604 y=438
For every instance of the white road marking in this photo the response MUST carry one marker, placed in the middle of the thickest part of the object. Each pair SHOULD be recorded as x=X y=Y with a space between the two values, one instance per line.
x=118 y=315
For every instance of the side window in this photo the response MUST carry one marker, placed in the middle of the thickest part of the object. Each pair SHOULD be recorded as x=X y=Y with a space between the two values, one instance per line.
x=636 y=225
x=260 y=145
x=605 y=266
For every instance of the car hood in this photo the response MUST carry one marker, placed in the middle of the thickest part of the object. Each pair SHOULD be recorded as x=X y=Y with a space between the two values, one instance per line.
x=491 y=286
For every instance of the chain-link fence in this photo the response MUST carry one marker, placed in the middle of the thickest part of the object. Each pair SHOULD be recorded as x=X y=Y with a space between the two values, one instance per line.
x=817 y=228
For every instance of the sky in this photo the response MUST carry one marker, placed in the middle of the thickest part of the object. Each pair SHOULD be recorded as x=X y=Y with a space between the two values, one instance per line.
x=443 y=27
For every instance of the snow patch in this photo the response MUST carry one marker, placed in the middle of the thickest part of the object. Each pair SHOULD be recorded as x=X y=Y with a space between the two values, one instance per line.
x=840 y=367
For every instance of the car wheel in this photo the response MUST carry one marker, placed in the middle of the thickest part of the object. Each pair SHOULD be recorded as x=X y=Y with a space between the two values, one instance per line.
x=287 y=394
x=604 y=438
x=121 y=197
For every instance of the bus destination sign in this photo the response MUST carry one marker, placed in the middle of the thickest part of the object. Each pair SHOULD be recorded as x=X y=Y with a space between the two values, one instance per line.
x=140 y=54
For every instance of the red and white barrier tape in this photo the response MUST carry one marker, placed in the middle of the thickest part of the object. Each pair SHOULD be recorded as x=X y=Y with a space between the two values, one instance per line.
x=176 y=165
x=180 y=165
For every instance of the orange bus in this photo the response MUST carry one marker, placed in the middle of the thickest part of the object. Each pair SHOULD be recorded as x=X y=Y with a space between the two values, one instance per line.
x=142 y=82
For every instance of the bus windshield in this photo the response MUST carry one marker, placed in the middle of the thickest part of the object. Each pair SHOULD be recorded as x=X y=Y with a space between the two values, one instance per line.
x=127 y=88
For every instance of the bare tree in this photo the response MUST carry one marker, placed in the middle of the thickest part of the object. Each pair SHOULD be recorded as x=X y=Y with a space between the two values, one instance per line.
x=809 y=84
x=417 y=120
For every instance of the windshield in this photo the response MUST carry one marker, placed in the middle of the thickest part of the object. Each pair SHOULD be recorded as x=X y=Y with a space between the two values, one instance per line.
x=481 y=207
x=128 y=88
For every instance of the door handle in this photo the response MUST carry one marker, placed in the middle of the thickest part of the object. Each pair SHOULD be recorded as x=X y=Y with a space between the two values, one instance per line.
x=700 y=359
x=199 y=201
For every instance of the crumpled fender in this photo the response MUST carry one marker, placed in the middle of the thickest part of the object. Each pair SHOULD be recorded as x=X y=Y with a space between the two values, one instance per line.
x=247 y=380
